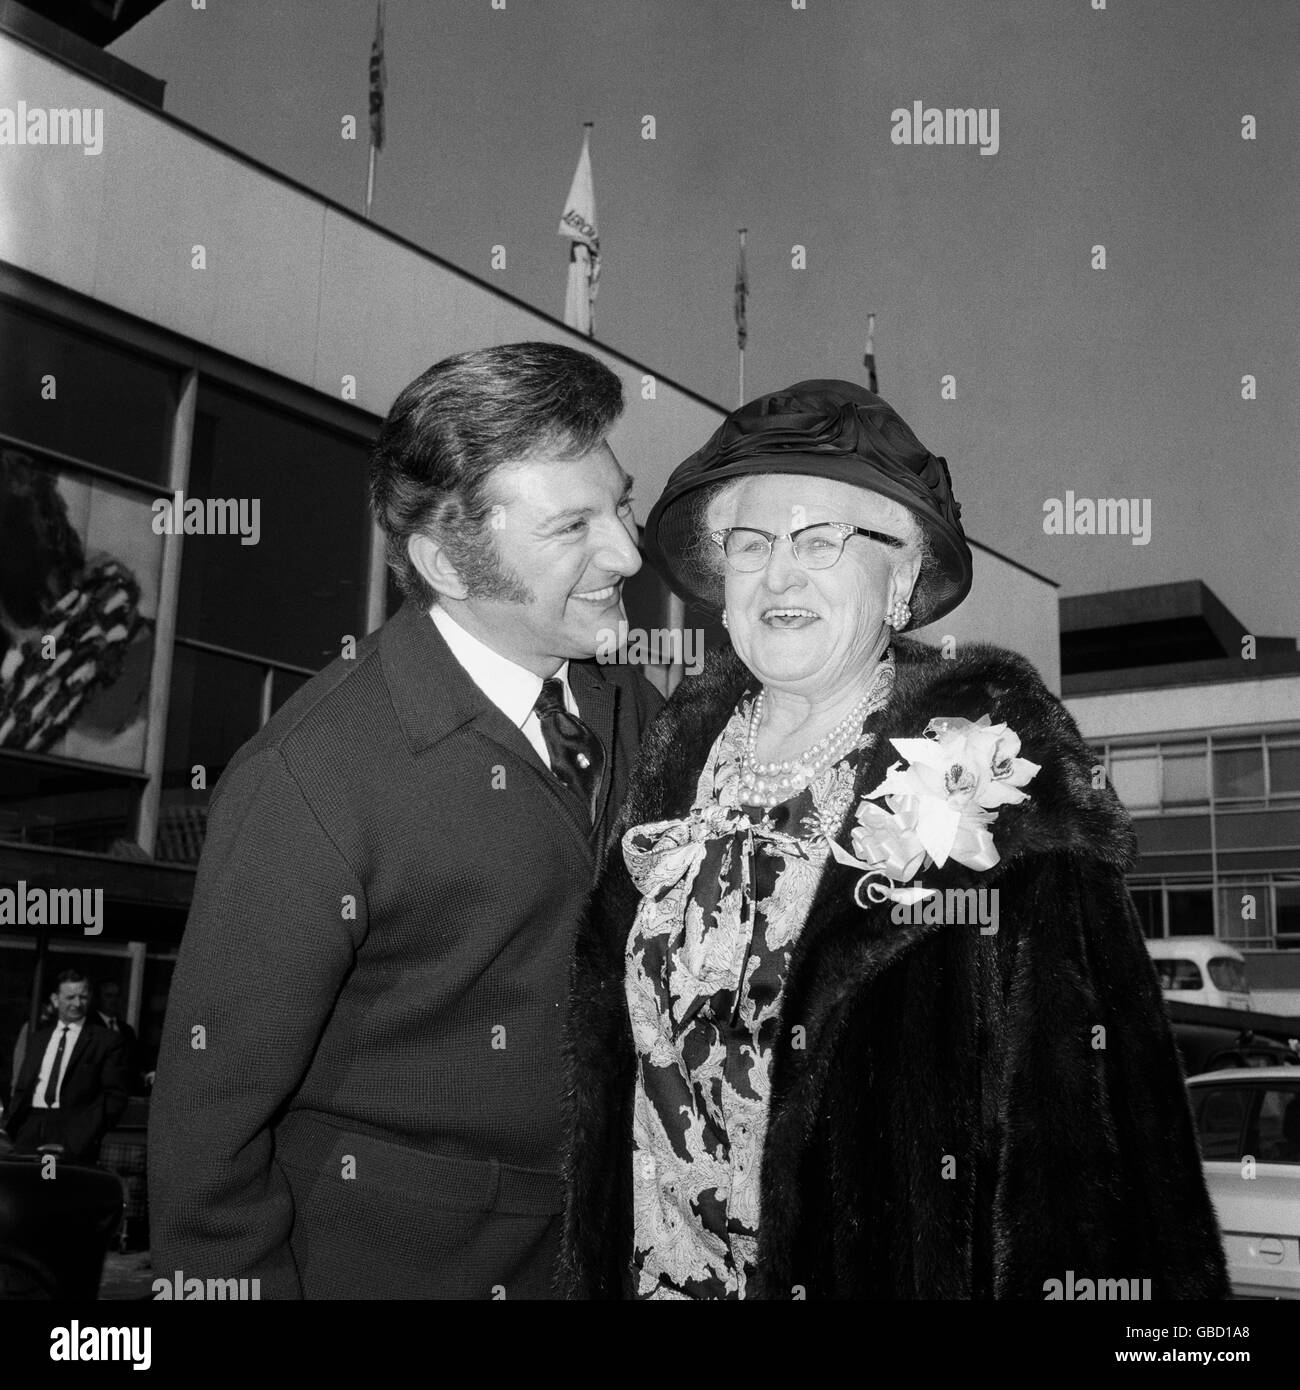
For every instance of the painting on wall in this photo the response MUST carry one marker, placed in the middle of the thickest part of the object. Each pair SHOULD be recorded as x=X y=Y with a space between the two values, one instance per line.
x=80 y=567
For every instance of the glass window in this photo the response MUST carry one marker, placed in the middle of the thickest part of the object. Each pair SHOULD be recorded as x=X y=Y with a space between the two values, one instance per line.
x=17 y=959
x=1287 y=900
x=1136 y=779
x=1184 y=775
x=1284 y=770
x=1228 y=975
x=287 y=578
x=1191 y=912
x=1150 y=911
x=1222 y=1118
x=1245 y=914
x=110 y=406
x=158 y=972
x=283 y=685
x=1239 y=773
x=1278 y=1130
x=216 y=707
x=61 y=805
x=1179 y=975
x=80 y=570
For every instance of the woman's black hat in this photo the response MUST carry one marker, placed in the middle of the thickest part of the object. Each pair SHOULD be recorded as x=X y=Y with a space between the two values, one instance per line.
x=827 y=429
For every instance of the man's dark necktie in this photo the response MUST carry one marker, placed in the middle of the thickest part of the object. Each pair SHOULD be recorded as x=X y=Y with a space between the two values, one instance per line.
x=577 y=757
x=52 y=1085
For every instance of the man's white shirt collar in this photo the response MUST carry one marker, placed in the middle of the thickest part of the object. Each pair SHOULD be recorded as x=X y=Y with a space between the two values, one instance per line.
x=512 y=688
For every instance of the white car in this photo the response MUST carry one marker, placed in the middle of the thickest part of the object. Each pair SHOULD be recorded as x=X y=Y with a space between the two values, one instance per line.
x=1201 y=970
x=1249 y=1125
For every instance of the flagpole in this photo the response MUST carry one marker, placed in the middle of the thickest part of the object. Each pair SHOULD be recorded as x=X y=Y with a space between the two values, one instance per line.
x=578 y=223
x=869 y=355
x=587 y=128
x=740 y=345
x=378 y=80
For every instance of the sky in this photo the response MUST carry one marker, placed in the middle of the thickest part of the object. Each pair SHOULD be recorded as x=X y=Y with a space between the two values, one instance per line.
x=1120 y=127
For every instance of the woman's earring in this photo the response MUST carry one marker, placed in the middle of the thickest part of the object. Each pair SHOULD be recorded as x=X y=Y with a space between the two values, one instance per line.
x=899 y=614
x=724 y=617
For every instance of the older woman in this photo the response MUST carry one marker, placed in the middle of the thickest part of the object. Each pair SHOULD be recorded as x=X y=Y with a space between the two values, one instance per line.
x=862 y=1008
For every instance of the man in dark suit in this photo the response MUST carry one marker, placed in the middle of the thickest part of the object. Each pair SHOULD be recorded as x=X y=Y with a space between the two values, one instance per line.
x=358 y=1094
x=72 y=1086
x=108 y=1011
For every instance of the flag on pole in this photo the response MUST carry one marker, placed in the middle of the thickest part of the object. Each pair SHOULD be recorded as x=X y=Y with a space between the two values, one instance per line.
x=869 y=357
x=742 y=294
x=378 y=81
x=578 y=223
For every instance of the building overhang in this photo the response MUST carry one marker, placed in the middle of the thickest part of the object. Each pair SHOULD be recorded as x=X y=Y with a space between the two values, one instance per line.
x=128 y=881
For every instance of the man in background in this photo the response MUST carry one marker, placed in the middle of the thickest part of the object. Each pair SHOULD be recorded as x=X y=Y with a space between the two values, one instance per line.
x=108 y=1010
x=72 y=1086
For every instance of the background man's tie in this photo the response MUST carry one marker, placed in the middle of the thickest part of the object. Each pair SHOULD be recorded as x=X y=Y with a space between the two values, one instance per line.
x=52 y=1085
x=577 y=757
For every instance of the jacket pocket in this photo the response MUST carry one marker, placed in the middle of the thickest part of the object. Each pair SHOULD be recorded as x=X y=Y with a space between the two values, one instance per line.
x=311 y=1145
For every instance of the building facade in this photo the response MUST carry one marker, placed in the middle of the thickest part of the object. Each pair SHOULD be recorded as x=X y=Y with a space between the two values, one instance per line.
x=1197 y=723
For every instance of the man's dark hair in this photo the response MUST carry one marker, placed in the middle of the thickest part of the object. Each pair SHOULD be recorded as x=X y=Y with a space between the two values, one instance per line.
x=71 y=977
x=455 y=424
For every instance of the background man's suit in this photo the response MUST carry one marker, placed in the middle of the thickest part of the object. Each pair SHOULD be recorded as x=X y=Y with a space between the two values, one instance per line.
x=92 y=1095
x=358 y=1093
x=130 y=1041
x=120 y=1026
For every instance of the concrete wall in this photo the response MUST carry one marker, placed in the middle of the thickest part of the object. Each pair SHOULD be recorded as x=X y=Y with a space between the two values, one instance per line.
x=1189 y=708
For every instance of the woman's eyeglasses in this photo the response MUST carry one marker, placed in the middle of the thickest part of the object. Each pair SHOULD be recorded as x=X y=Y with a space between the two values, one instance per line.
x=815 y=547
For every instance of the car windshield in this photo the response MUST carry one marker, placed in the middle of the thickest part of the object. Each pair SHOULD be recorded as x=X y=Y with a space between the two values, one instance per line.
x=1179 y=974
x=1228 y=974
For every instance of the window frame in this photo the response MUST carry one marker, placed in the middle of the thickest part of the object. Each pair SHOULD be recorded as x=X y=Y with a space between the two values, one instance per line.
x=192 y=364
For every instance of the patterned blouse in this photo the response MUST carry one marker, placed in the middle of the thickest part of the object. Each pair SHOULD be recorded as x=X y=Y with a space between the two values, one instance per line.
x=725 y=891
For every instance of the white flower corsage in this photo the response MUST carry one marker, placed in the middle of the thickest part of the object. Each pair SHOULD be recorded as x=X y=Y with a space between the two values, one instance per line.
x=941 y=807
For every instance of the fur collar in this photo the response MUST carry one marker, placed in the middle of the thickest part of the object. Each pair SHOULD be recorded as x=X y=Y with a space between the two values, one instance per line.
x=1066 y=812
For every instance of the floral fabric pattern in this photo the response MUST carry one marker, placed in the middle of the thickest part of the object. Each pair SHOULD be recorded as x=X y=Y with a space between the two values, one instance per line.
x=725 y=891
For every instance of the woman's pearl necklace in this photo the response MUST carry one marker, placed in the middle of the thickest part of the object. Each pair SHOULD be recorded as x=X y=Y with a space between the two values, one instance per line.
x=769 y=784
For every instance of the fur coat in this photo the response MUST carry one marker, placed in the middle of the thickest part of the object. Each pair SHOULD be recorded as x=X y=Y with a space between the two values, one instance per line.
x=954 y=1114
